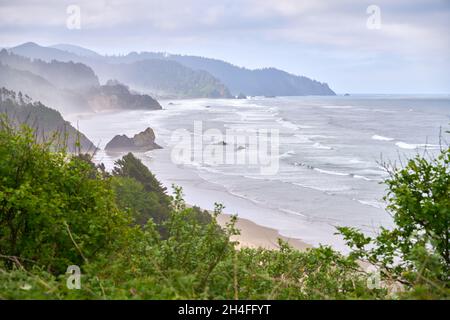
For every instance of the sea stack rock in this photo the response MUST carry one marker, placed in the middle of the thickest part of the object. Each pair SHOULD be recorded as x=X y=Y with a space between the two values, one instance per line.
x=141 y=142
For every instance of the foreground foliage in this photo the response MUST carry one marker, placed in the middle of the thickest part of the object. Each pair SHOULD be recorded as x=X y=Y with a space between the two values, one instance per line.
x=132 y=241
x=416 y=253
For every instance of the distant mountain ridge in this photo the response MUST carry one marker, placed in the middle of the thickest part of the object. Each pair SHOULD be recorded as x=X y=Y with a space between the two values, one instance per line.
x=42 y=90
x=68 y=86
x=65 y=75
x=159 y=78
x=166 y=79
x=170 y=75
x=257 y=82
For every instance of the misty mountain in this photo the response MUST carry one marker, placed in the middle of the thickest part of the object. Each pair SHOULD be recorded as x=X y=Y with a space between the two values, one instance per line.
x=65 y=75
x=80 y=51
x=35 y=51
x=258 y=82
x=163 y=78
x=47 y=123
x=42 y=90
x=158 y=77
x=67 y=86
x=165 y=68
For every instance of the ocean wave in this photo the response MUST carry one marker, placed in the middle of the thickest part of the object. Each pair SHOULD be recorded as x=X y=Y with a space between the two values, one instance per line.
x=326 y=189
x=244 y=196
x=334 y=173
x=372 y=203
x=381 y=138
x=318 y=145
x=287 y=124
x=321 y=136
x=337 y=107
x=379 y=174
x=292 y=212
x=303 y=138
x=412 y=146
x=287 y=154
x=357 y=176
x=254 y=115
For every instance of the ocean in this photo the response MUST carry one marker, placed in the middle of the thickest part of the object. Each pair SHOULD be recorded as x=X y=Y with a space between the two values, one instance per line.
x=329 y=160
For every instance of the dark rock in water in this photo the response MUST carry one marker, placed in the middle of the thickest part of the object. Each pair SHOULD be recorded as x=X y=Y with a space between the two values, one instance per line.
x=241 y=96
x=141 y=142
x=347 y=95
x=171 y=104
x=207 y=107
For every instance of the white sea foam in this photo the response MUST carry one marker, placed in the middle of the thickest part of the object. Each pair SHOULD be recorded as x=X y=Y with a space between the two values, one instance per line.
x=318 y=145
x=357 y=176
x=412 y=146
x=381 y=138
x=374 y=174
x=372 y=203
x=337 y=107
x=326 y=189
x=291 y=212
x=334 y=173
x=287 y=154
x=287 y=124
x=303 y=138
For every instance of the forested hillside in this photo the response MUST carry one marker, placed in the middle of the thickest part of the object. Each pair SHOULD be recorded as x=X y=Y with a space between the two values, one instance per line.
x=48 y=124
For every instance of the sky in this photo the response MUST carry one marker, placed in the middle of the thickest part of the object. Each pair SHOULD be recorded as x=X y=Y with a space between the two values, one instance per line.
x=355 y=46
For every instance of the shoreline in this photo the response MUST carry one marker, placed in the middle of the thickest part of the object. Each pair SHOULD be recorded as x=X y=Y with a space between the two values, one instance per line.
x=316 y=212
x=255 y=236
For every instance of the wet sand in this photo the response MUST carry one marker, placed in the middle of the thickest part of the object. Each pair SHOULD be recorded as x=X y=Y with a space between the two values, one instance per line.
x=255 y=236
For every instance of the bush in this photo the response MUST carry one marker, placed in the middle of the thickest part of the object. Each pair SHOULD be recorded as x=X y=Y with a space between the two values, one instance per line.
x=416 y=251
x=52 y=212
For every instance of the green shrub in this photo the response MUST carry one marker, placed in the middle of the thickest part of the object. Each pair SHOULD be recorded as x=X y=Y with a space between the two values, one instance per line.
x=52 y=212
x=416 y=251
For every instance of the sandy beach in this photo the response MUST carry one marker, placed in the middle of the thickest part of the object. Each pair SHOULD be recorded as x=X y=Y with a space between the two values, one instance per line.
x=256 y=236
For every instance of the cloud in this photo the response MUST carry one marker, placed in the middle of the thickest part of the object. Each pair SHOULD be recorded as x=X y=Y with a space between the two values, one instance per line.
x=329 y=22
x=244 y=31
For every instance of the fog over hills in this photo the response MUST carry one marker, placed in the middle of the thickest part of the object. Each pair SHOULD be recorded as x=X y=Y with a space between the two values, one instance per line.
x=167 y=75
x=258 y=82
x=48 y=124
x=40 y=89
x=152 y=76
x=65 y=75
x=67 y=86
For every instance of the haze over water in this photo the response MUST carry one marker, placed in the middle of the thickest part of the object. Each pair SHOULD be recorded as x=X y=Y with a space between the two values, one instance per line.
x=331 y=149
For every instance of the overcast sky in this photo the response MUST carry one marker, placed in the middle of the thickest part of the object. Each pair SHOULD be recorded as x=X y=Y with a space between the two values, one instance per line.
x=327 y=40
